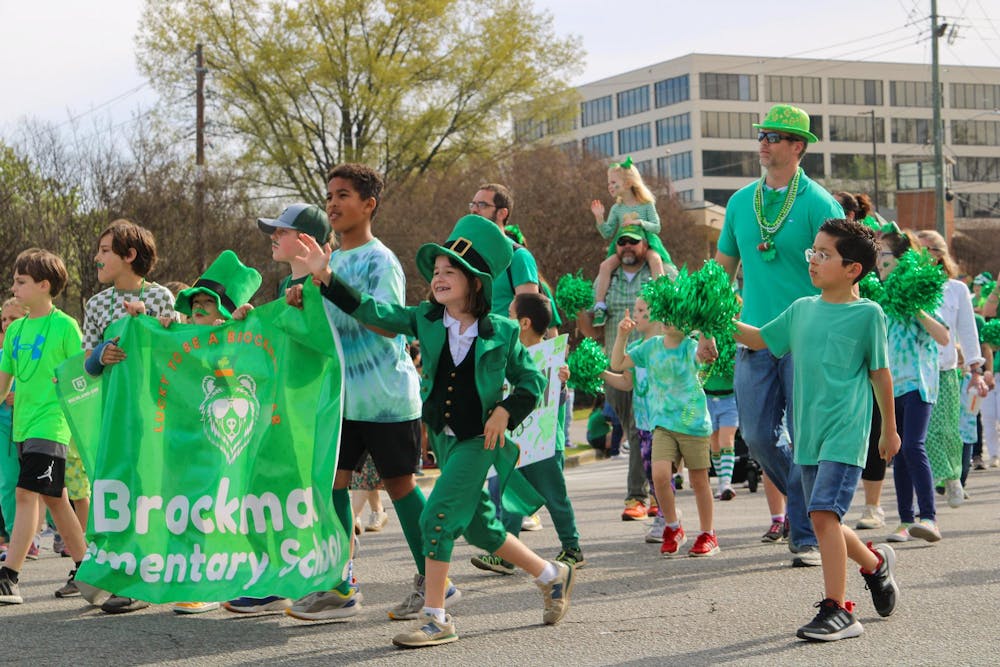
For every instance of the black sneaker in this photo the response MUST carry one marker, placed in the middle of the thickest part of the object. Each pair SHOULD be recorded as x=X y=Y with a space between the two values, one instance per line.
x=69 y=590
x=121 y=605
x=10 y=593
x=881 y=583
x=832 y=622
x=572 y=557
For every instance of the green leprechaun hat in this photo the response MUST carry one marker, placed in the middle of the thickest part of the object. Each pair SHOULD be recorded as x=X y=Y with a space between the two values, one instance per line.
x=475 y=244
x=229 y=280
x=786 y=118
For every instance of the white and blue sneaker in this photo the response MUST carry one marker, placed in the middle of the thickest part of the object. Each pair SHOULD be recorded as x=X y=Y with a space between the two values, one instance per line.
x=411 y=607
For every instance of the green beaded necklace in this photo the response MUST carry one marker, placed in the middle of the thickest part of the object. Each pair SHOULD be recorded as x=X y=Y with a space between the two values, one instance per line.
x=768 y=230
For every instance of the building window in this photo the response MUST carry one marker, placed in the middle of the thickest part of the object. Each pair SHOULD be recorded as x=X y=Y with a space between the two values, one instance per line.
x=560 y=124
x=528 y=130
x=633 y=101
x=675 y=167
x=635 y=138
x=794 y=89
x=673 y=129
x=816 y=126
x=569 y=147
x=812 y=164
x=685 y=195
x=979 y=169
x=600 y=145
x=672 y=91
x=645 y=168
x=979 y=205
x=975 y=96
x=728 y=124
x=730 y=163
x=717 y=196
x=595 y=111
x=911 y=131
x=911 y=94
x=914 y=175
x=856 y=128
x=856 y=91
x=975 y=132
x=854 y=167
x=729 y=87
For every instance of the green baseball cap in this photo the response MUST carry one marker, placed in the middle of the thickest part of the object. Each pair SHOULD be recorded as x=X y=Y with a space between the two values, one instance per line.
x=786 y=118
x=304 y=218
x=631 y=232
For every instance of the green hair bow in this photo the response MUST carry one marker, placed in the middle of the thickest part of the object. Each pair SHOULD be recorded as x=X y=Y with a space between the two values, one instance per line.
x=627 y=164
x=890 y=228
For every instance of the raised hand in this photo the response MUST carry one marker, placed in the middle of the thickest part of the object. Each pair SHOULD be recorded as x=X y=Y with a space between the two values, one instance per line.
x=597 y=208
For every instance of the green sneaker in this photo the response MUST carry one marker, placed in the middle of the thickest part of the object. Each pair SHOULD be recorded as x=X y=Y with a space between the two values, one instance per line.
x=493 y=563
x=600 y=317
x=572 y=557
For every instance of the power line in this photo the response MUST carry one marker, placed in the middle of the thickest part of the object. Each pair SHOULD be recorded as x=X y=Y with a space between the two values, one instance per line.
x=100 y=106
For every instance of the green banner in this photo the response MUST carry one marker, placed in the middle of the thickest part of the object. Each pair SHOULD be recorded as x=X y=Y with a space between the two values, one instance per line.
x=211 y=451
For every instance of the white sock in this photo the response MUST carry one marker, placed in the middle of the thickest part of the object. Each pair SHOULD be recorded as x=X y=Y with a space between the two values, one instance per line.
x=600 y=305
x=674 y=526
x=438 y=614
x=548 y=574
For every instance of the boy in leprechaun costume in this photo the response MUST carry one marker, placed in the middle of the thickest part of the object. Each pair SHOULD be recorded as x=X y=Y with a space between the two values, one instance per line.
x=468 y=353
x=768 y=226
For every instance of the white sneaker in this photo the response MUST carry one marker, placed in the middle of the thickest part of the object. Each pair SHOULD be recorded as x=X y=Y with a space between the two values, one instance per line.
x=531 y=523
x=655 y=534
x=901 y=534
x=872 y=516
x=953 y=489
x=925 y=529
x=376 y=522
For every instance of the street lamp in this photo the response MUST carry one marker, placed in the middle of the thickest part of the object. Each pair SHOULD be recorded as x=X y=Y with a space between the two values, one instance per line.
x=874 y=153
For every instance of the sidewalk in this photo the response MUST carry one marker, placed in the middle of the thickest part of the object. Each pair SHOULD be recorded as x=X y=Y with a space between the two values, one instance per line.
x=579 y=455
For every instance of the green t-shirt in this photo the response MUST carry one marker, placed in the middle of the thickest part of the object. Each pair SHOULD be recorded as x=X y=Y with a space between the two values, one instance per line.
x=675 y=400
x=640 y=391
x=835 y=345
x=770 y=287
x=33 y=348
x=522 y=270
x=383 y=385
x=597 y=425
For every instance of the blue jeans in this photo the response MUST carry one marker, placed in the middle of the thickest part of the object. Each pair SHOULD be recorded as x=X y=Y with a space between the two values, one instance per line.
x=763 y=385
x=912 y=470
x=829 y=486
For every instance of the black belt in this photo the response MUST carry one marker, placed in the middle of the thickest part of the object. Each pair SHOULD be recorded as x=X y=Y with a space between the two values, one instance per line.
x=718 y=392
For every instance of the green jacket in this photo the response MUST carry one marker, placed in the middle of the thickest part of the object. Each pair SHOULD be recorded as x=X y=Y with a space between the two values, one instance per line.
x=499 y=353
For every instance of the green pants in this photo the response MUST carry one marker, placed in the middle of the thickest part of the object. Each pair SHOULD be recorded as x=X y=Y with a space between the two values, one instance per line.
x=10 y=470
x=459 y=505
x=944 y=443
x=547 y=478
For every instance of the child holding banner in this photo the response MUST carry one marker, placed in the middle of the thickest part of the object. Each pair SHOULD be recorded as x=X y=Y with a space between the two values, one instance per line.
x=532 y=312
x=33 y=347
x=467 y=353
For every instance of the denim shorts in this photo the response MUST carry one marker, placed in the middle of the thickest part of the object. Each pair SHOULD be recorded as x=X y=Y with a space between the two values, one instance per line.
x=722 y=410
x=830 y=486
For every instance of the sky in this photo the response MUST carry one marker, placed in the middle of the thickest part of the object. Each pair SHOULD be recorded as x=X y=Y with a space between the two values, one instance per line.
x=65 y=60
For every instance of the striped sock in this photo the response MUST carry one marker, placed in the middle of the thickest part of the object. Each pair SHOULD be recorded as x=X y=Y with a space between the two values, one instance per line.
x=727 y=459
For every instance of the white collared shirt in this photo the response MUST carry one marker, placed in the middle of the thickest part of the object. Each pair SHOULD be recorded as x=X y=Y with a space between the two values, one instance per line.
x=459 y=342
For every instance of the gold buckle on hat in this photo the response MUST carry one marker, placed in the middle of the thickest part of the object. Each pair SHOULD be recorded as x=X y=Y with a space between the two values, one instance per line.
x=465 y=248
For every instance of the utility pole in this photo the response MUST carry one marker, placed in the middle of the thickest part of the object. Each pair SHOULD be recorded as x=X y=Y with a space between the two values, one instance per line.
x=874 y=153
x=199 y=185
x=938 y=139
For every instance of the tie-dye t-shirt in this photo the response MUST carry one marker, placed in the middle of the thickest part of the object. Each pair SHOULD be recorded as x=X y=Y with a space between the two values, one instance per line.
x=675 y=400
x=640 y=392
x=913 y=359
x=380 y=382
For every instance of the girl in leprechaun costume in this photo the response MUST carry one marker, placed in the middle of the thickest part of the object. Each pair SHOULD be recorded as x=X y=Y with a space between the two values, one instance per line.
x=634 y=205
x=468 y=355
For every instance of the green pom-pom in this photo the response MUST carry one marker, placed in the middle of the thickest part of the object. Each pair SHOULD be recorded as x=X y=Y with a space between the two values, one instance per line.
x=725 y=364
x=872 y=288
x=574 y=293
x=990 y=334
x=586 y=363
x=701 y=301
x=917 y=283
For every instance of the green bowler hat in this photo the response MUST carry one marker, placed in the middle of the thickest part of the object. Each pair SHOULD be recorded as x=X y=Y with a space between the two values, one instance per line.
x=476 y=244
x=786 y=118
x=231 y=282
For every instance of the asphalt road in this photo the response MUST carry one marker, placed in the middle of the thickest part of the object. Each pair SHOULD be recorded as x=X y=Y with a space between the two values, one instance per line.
x=630 y=607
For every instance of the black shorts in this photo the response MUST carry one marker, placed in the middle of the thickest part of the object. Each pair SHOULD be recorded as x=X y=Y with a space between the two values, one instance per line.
x=43 y=473
x=394 y=446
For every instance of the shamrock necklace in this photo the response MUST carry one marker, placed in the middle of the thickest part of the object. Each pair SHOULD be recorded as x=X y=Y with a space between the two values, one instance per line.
x=768 y=230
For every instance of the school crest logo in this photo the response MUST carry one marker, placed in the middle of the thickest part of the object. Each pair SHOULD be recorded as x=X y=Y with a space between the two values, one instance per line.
x=229 y=410
x=79 y=383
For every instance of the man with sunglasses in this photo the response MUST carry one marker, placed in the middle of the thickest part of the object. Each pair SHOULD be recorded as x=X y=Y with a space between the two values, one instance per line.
x=768 y=225
x=495 y=202
x=626 y=284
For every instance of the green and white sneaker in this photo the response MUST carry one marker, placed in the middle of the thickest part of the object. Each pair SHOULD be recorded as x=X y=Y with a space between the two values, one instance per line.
x=600 y=317
x=493 y=563
x=572 y=557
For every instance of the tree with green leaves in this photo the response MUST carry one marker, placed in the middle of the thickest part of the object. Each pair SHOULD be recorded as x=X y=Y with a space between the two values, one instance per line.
x=403 y=85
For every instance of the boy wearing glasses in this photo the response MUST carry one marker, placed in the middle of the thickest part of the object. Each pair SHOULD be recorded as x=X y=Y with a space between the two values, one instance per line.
x=841 y=351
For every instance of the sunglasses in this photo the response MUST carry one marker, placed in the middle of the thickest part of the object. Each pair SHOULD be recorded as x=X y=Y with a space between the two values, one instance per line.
x=775 y=137
x=625 y=240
